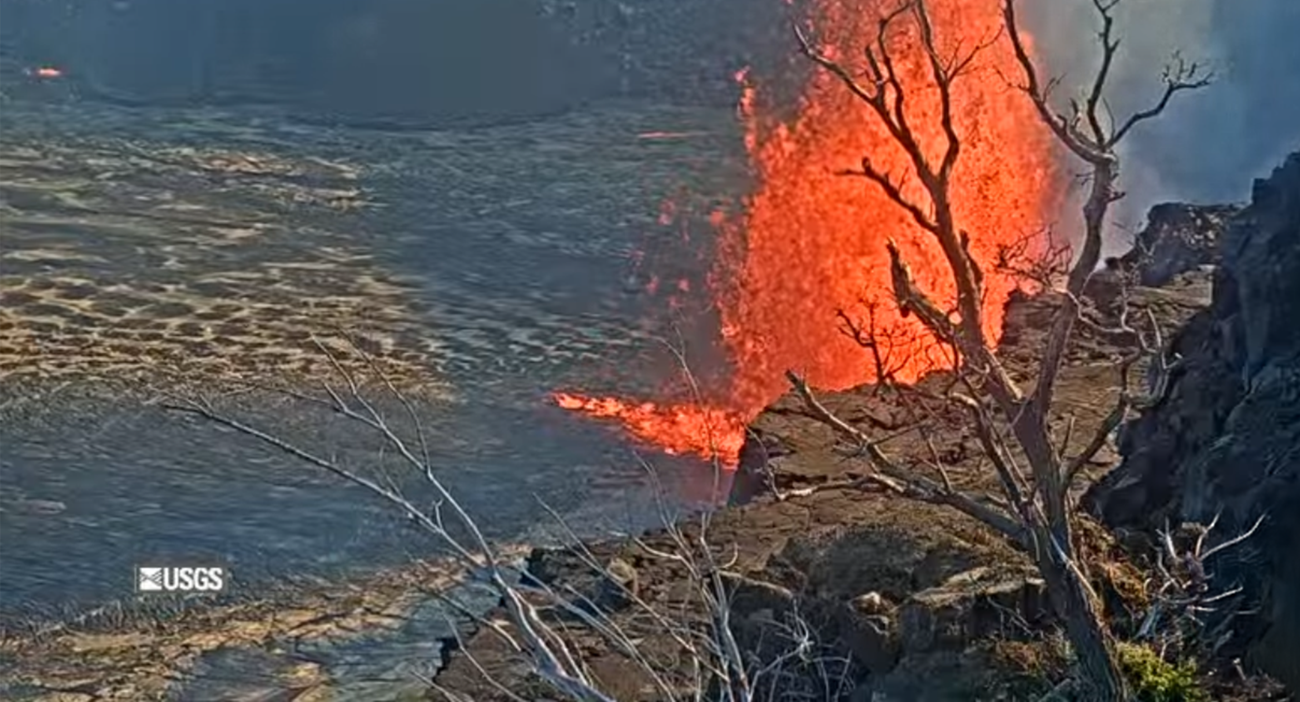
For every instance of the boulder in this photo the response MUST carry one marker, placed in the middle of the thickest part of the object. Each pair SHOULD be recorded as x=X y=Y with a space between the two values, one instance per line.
x=970 y=606
x=1178 y=238
x=611 y=590
x=868 y=627
x=1225 y=440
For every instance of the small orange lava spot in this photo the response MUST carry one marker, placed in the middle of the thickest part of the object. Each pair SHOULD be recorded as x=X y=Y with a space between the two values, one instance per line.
x=45 y=72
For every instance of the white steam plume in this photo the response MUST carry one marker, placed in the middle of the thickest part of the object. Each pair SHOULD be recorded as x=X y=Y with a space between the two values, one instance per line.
x=1210 y=143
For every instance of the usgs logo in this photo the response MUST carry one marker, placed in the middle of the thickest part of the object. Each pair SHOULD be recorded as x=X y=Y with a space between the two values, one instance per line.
x=179 y=579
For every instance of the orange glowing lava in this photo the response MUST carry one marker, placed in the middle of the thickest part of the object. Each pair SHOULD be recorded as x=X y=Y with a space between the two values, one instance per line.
x=674 y=429
x=44 y=72
x=811 y=242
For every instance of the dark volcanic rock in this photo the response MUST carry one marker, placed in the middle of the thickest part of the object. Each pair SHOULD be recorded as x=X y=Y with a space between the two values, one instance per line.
x=970 y=606
x=1178 y=238
x=1226 y=438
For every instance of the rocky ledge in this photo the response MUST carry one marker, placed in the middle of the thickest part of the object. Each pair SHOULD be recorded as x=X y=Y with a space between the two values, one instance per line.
x=920 y=603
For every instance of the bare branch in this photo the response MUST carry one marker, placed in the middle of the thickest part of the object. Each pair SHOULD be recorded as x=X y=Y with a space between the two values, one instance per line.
x=903 y=481
x=995 y=449
x=1044 y=269
x=868 y=339
x=1099 y=439
x=1183 y=593
x=1179 y=76
x=912 y=300
x=1234 y=541
x=1109 y=46
x=893 y=191
x=1060 y=125
x=1149 y=347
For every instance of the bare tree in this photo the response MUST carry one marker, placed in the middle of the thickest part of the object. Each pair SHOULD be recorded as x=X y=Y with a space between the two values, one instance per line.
x=1012 y=423
x=542 y=620
x=1182 y=593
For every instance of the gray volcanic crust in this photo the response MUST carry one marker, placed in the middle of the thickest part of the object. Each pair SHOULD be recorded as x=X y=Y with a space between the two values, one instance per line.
x=155 y=251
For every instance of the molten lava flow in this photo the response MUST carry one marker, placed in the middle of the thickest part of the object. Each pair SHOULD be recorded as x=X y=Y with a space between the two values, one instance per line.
x=44 y=72
x=811 y=242
x=674 y=429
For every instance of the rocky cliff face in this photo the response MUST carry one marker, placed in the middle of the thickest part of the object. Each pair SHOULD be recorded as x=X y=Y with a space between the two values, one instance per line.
x=1225 y=440
x=1178 y=238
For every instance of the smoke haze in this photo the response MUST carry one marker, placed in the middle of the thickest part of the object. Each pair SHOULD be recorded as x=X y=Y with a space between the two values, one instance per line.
x=1210 y=143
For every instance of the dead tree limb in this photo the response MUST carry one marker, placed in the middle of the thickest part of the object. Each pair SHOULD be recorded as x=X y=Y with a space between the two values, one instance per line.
x=907 y=483
x=1183 y=591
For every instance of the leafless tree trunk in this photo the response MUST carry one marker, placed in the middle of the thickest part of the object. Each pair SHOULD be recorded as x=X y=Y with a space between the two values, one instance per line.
x=1036 y=509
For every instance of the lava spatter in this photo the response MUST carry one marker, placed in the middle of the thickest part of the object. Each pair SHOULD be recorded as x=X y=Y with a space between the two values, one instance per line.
x=809 y=242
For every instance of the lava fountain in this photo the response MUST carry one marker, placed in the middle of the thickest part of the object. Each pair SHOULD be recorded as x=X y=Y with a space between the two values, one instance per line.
x=810 y=242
